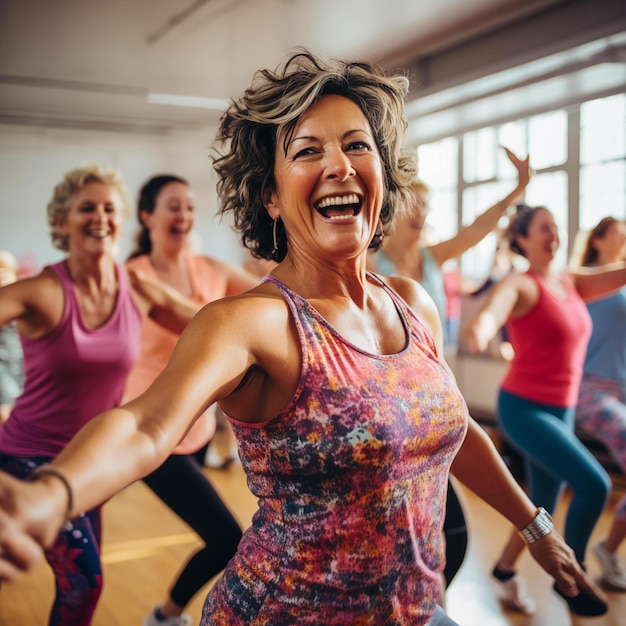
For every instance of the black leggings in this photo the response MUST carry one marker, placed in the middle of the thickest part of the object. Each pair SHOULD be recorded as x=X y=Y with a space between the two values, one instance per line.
x=181 y=484
x=455 y=531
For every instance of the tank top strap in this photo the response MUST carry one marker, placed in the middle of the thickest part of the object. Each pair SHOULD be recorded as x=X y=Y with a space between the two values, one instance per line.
x=412 y=324
x=70 y=305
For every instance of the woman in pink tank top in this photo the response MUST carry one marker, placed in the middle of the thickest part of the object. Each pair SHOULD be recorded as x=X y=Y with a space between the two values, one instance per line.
x=549 y=327
x=79 y=322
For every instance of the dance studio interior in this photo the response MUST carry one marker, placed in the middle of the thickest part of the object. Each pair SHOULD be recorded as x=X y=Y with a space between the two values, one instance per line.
x=142 y=84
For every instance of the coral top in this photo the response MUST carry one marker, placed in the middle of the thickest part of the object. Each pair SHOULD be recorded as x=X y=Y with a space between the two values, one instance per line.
x=351 y=479
x=157 y=343
x=72 y=373
x=550 y=342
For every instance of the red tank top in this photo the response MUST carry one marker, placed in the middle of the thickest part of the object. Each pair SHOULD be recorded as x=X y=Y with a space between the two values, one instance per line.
x=550 y=342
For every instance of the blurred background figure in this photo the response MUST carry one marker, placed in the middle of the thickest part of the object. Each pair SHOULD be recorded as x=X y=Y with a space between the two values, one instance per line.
x=164 y=252
x=549 y=328
x=405 y=253
x=601 y=410
x=11 y=356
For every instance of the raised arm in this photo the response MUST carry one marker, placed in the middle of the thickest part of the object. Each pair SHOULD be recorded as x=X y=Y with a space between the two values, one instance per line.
x=597 y=282
x=502 y=302
x=166 y=306
x=469 y=236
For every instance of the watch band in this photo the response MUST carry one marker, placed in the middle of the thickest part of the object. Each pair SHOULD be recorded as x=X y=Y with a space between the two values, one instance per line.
x=541 y=526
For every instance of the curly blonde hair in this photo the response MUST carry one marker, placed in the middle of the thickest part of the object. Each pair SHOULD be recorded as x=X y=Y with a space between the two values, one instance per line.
x=271 y=107
x=73 y=181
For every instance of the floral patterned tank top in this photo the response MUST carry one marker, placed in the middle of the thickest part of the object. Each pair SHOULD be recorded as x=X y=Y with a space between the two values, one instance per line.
x=351 y=480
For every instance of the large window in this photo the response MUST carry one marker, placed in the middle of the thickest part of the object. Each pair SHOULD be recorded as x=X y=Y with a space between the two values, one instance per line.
x=602 y=159
x=438 y=169
x=595 y=176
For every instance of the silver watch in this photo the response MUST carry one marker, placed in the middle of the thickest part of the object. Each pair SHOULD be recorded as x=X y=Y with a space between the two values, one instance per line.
x=541 y=526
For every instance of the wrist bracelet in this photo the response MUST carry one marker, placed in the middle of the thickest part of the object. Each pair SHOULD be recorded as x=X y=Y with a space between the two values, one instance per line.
x=541 y=526
x=51 y=470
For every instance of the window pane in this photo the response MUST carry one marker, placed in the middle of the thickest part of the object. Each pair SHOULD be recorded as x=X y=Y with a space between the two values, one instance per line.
x=477 y=261
x=438 y=163
x=547 y=139
x=479 y=155
x=603 y=129
x=438 y=168
x=512 y=136
x=602 y=192
x=442 y=216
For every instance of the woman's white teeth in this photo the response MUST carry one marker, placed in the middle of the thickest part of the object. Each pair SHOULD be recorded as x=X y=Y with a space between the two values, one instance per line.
x=338 y=201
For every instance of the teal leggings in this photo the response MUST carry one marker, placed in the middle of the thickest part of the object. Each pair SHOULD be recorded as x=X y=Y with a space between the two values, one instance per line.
x=554 y=458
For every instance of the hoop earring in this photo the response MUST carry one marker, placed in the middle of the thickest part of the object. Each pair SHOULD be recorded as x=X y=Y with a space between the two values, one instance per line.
x=274 y=237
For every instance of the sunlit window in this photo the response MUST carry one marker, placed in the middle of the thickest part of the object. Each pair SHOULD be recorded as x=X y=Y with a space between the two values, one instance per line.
x=603 y=129
x=603 y=159
x=479 y=155
x=514 y=137
x=477 y=261
x=438 y=168
x=488 y=176
x=547 y=139
x=602 y=192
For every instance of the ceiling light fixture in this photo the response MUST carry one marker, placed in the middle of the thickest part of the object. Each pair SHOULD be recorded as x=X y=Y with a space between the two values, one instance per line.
x=214 y=104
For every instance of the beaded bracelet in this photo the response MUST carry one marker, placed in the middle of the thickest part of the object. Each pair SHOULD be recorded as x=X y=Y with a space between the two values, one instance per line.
x=51 y=470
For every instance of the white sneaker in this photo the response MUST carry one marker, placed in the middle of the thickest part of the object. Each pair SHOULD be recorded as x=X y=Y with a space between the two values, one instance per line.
x=182 y=620
x=613 y=567
x=516 y=597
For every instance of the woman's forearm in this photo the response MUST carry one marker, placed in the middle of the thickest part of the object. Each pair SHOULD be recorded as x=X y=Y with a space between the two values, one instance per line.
x=480 y=467
x=108 y=454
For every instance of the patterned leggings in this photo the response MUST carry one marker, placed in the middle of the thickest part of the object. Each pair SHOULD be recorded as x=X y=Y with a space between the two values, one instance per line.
x=74 y=557
x=601 y=413
x=554 y=457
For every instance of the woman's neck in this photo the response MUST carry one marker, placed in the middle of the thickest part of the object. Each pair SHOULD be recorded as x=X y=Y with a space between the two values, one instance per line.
x=407 y=259
x=171 y=268
x=89 y=271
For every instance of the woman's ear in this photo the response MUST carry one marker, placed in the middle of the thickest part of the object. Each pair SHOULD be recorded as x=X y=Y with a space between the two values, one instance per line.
x=269 y=200
x=144 y=218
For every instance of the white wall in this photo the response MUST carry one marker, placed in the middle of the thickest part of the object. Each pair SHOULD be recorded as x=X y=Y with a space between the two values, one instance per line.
x=34 y=159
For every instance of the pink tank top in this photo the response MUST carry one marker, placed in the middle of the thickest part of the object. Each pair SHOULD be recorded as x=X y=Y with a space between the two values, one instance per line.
x=157 y=343
x=550 y=344
x=72 y=373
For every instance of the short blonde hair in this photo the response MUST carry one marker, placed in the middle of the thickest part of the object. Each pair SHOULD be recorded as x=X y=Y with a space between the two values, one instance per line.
x=73 y=181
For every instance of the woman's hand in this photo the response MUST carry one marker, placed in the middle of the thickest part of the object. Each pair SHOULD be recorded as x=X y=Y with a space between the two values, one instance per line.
x=31 y=515
x=162 y=303
x=558 y=560
x=521 y=165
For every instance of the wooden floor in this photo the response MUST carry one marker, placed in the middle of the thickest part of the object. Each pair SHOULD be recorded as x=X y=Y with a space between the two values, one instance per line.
x=145 y=545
